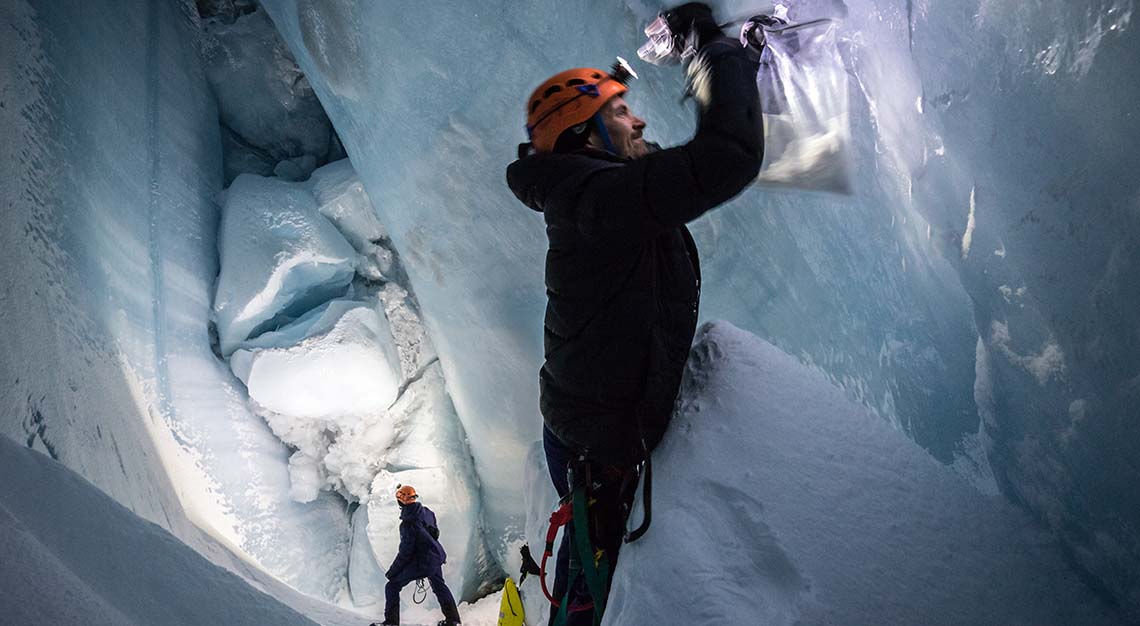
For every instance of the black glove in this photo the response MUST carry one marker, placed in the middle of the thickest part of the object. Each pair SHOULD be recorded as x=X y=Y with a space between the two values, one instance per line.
x=693 y=23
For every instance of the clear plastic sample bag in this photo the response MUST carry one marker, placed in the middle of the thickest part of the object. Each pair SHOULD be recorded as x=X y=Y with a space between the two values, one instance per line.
x=803 y=94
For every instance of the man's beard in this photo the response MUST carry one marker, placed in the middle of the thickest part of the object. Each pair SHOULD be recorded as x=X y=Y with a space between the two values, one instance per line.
x=637 y=149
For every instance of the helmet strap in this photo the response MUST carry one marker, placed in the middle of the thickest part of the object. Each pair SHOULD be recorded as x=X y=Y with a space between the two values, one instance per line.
x=607 y=143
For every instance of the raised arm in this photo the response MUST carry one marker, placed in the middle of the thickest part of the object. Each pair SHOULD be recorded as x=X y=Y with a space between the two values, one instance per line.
x=668 y=188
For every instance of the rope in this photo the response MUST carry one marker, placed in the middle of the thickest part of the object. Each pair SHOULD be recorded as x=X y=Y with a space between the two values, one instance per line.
x=420 y=592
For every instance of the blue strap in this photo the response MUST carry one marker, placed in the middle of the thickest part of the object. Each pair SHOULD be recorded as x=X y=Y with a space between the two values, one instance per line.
x=605 y=134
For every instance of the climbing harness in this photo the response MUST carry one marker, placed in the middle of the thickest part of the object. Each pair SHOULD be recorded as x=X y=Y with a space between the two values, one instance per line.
x=586 y=561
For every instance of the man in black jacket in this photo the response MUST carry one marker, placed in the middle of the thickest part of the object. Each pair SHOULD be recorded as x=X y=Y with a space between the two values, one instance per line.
x=622 y=273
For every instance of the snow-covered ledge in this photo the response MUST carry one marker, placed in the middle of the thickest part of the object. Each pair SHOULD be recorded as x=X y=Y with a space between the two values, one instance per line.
x=777 y=500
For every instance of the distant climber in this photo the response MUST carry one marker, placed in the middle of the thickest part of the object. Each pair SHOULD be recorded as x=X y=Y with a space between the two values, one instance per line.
x=622 y=274
x=420 y=556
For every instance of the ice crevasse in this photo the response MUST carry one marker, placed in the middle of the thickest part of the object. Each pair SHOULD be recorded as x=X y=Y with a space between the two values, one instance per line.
x=974 y=294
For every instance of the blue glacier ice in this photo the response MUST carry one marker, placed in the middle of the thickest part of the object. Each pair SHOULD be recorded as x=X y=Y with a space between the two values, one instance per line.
x=112 y=240
x=275 y=265
x=975 y=292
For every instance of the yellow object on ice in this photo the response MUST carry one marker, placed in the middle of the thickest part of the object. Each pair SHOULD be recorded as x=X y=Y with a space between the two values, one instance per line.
x=511 y=608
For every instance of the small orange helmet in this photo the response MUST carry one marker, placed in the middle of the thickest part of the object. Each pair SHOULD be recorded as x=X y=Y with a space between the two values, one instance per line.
x=406 y=494
x=565 y=100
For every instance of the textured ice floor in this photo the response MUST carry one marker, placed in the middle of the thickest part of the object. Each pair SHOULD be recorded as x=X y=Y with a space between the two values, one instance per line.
x=72 y=555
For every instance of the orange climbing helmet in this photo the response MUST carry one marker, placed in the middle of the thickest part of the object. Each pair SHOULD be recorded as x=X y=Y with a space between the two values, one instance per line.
x=570 y=98
x=406 y=494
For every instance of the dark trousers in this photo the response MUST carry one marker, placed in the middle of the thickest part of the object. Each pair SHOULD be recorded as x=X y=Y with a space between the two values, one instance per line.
x=559 y=456
x=438 y=587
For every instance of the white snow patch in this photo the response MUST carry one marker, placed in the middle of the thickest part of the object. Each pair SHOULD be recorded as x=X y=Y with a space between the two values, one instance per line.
x=968 y=236
x=1047 y=364
x=1078 y=410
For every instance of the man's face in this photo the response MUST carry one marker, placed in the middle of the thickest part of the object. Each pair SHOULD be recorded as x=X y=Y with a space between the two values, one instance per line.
x=624 y=128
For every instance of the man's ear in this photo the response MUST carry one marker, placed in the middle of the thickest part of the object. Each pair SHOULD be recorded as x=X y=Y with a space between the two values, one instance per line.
x=595 y=140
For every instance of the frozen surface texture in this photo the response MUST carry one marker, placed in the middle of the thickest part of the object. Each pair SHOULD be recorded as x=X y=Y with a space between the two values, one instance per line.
x=1002 y=126
x=786 y=503
x=106 y=230
x=298 y=378
x=110 y=177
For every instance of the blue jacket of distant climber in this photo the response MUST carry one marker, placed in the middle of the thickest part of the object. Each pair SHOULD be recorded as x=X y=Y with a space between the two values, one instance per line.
x=420 y=551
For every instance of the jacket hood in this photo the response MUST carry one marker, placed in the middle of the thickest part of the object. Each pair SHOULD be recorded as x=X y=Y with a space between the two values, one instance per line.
x=534 y=176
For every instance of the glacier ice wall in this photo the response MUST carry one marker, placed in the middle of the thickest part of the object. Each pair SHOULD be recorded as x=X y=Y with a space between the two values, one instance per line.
x=110 y=223
x=110 y=161
x=973 y=291
x=1019 y=153
x=271 y=121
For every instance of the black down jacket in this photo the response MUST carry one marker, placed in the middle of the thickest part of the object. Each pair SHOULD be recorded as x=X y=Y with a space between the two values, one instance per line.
x=622 y=274
x=420 y=553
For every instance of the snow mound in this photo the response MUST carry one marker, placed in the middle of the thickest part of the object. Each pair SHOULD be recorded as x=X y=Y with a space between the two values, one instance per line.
x=72 y=555
x=777 y=500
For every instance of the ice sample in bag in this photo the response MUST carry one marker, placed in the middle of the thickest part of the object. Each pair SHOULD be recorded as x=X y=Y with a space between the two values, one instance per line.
x=803 y=94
